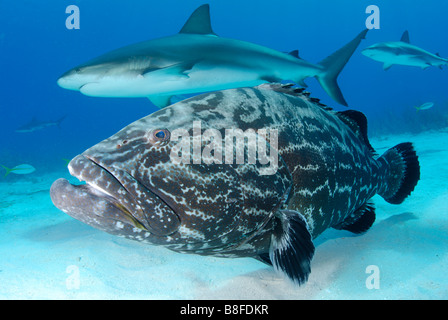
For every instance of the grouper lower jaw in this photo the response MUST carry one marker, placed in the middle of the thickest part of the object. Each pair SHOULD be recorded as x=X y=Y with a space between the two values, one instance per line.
x=89 y=206
x=103 y=182
x=112 y=198
x=102 y=202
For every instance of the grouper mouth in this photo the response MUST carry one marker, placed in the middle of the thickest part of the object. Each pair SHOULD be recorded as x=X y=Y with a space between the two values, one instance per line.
x=108 y=199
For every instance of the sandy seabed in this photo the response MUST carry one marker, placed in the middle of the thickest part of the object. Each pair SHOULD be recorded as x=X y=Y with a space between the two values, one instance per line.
x=45 y=254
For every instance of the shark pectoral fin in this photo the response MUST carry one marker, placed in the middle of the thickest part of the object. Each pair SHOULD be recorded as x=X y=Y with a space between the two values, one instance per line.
x=178 y=97
x=199 y=22
x=387 y=65
x=173 y=72
x=271 y=79
x=160 y=101
x=291 y=247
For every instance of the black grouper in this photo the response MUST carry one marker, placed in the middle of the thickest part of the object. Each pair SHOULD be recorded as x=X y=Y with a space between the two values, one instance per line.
x=314 y=169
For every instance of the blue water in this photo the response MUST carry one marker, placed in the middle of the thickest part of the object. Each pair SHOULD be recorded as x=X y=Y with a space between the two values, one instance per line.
x=36 y=48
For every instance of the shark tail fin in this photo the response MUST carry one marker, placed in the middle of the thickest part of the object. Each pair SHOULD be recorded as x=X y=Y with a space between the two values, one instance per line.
x=8 y=170
x=60 y=120
x=334 y=64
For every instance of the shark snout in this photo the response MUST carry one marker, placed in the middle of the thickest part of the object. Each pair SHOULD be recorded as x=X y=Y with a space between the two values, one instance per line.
x=367 y=51
x=75 y=79
x=71 y=80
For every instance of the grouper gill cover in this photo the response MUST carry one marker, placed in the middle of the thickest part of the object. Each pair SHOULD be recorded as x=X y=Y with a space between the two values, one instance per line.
x=325 y=175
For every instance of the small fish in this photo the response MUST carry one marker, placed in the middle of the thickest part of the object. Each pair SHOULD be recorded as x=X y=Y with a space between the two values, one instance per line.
x=425 y=106
x=20 y=169
x=324 y=174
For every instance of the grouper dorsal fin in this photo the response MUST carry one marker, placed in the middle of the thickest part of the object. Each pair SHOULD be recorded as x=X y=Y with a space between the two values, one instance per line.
x=199 y=22
x=405 y=37
x=356 y=121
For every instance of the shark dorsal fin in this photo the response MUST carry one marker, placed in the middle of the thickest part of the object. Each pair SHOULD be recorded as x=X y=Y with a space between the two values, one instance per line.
x=405 y=37
x=199 y=22
x=295 y=53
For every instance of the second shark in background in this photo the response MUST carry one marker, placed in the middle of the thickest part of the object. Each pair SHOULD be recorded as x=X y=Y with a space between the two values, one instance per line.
x=403 y=53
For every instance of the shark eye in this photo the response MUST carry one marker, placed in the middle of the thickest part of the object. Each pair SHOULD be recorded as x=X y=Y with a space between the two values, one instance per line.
x=159 y=137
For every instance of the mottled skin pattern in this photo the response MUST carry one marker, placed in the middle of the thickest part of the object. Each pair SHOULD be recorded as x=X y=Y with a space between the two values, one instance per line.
x=326 y=172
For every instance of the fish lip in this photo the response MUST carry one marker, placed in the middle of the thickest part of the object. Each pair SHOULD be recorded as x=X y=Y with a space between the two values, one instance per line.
x=103 y=167
x=149 y=188
x=128 y=210
x=110 y=197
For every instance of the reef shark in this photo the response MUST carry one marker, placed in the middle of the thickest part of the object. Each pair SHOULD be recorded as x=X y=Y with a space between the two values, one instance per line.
x=403 y=53
x=35 y=125
x=197 y=60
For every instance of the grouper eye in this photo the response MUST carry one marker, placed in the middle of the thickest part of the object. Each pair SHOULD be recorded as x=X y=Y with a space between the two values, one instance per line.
x=159 y=137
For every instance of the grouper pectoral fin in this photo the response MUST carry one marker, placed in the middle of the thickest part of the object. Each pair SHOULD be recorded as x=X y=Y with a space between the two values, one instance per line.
x=291 y=247
x=387 y=65
x=199 y=22
x=175 y=72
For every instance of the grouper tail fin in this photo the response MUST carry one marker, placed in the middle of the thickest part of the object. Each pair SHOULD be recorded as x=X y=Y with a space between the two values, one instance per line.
x=334 y=64
x=403 y=172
